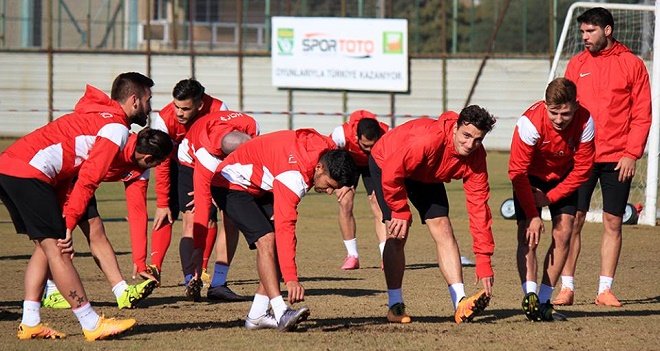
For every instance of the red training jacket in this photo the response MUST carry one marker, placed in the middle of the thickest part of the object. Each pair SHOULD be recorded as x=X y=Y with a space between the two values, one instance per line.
x=614 y=86
x=539 y=150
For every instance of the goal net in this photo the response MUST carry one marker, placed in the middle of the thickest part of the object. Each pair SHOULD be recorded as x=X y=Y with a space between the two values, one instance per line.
x=634 y=26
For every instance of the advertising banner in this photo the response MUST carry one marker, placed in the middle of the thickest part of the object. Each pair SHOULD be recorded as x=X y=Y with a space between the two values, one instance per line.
x=362 y=54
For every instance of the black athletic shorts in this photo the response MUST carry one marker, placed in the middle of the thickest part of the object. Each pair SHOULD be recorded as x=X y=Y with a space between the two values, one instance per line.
x=566 y=205
x=92 y=210
x=251 y=215
x=366 y=179
x=174 y=189
x=430 y=199
x=615 y=193
x=33 y=207
x=185 y=186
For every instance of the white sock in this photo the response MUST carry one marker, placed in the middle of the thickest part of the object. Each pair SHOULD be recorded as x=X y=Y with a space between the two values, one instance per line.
x=457 y=292
x=259 y=306
x=119 y=288
x=87 y=317
x=567 y=282
x=529 y=287
x=351 y=247
x=545 y=293
x=394 y=296
x=50 y=288
x=279 y=307
x=605 y=283
x=31 y=315
x=381 y=247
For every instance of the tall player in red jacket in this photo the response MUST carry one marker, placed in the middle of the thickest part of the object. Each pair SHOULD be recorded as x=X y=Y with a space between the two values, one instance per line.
x=259 y=186
x=552 y=152
x=36 y=167
x=613 y=84
x=188 y=105
x=412 y=161
x=131 y=166
x=357 y=136
x=199 y=154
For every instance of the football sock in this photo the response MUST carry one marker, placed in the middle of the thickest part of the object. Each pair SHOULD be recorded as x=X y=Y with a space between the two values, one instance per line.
x=529 y=287
x=87 y=316
x=186 y=252
x=160 y=242
x=50 y=287
x=457 y=292
x=31 y=315
x=394 y=297
x=119 y=288
x=259 y=306
x=381 y=247
x=567 y=282
x=279 y=307
x=187 y=278
x=605 y=283
x=351 y=247
x=211 y=235
x=545 y=293
x=219 y=274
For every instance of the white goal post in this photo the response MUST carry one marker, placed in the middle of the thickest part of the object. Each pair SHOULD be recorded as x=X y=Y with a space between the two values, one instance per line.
x=634 y=25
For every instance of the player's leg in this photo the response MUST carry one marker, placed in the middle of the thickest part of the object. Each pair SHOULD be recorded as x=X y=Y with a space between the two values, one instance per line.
x=348 y=231
x=527 y=264
x=225 y=248
x=190 y=248
x=161 y=237
x=615 y=198
x=379 y=226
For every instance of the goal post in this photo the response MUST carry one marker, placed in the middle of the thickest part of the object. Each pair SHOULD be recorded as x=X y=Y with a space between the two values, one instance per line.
x=634 y=26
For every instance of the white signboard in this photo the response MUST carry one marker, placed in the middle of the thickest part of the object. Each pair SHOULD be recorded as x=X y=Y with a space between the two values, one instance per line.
x=340 y=53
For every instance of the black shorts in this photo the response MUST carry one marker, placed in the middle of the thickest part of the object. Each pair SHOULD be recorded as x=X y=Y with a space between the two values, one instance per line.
x=33 y=207
x=92 y=210
x=251 y=215
x=615 y=193
x=566 y=205
x=185 y=186
x=366 y=179
x=174 y=189
x=430 y=199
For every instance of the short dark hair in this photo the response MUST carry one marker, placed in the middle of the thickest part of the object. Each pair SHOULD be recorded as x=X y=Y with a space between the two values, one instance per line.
x=154 y=142
x=340 y=166
x=370 y=128
x=478 y=117
x=129 y=83
x=597 y=16
x=188 y=89
x=561 y=91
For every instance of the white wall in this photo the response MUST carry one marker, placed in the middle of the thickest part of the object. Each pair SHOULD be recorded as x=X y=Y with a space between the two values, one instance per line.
x=506 y=88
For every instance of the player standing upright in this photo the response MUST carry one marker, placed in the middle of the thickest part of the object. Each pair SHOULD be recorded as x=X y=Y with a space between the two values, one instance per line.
x=613 y=84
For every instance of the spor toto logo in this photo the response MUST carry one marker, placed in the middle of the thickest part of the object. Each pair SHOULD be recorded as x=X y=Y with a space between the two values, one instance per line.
x=323 y=43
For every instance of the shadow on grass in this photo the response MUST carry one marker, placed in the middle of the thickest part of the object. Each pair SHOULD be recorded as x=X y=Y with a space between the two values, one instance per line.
x=190 y=326
x=342 y=292
x=78 y=254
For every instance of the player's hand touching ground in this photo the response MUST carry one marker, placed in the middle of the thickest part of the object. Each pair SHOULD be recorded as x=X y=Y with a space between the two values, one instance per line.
x=296 y=292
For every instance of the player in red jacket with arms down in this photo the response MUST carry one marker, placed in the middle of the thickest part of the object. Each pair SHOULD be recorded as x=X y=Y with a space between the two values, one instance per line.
x=552 y=152
x=189 y=104
x=613 y=84
x=411 y=162
x=201 y=151
x=260 y=186
x=42 y=164
x=357 y=136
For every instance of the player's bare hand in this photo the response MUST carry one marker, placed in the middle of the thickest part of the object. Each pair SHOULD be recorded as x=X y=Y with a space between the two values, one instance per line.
x=66 y=244
x=296 y=292
x=540 y=198
x=487 y=283
x=534 y=230
x=162 y=214
x=397 y=228
x=626 y=168
x=343 y=191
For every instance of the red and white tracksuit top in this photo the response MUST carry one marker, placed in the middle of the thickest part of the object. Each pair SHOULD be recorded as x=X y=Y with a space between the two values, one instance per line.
x=281 y=163
x=201 y=150
x=83 y=143
x=614 y=86
x=345 y=136
x=423 y=150
x=167 y=122
x=539 y=150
